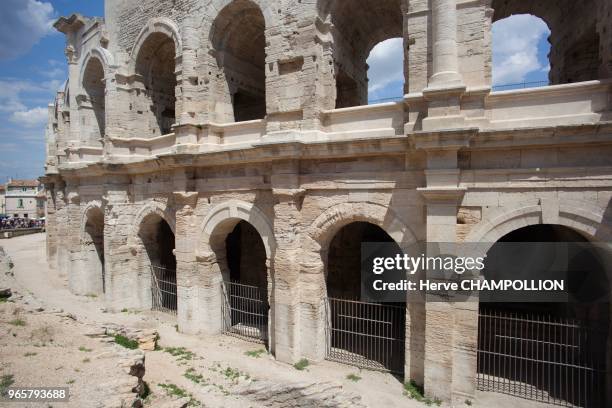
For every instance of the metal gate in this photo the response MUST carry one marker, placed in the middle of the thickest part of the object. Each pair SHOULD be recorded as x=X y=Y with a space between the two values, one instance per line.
x=367 y=335
x=163 y=289
x=244 y=311
x=544 y=358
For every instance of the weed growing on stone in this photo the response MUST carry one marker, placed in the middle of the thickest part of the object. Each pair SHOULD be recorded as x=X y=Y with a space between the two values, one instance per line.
x=255 y=353
x=181 y=353
x=18 y=322
x=6 y=381
x=302 y=364
x=353 y=377
x=174 y=390
x=29 y=354
x=85 y=349
x=192 y=375
x=415 y=391
x=125 y=342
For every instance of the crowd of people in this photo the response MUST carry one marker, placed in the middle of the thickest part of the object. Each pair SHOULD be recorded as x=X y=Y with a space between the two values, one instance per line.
x=16 y=223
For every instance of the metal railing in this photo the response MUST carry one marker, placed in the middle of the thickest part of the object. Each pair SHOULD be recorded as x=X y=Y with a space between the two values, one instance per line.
x=520 y=85
x=366 y=335
x=244 y=311
x=543 y=358
x=163 y=289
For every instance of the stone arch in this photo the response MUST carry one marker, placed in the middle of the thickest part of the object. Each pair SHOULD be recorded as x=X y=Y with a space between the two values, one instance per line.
x=104 y=56
x=326 y=225
x=92 y=99
x=222 y=218
x=574 y=54
x=236 y=40
x=161 y=25
x=92 y=206
x=155 y=65
x=152 y=208
x=355 y=28
x=580 y=216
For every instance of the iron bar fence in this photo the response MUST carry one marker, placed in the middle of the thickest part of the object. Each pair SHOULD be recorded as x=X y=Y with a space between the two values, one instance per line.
x=520 y=85
x=544 y=358
x=366 y=335
x=244 y=311
x=163 y=289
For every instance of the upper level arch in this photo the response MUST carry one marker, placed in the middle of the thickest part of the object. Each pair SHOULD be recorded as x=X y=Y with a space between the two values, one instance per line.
x=356 y=27
x=237 y=42
x=574 y=37
x=155 y=61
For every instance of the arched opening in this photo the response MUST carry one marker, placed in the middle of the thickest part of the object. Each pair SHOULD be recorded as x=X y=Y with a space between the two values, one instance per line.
x=365 y=334
x=239 y=44
x=92 y=110
x=386 y=71
x=93 y=247
x=540 y=43
x=158 y=241
x=547 y=351
x=246 y=306
x=357 y=27
x=155 y=67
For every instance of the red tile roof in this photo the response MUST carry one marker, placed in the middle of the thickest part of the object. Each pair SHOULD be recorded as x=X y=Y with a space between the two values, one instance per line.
x=22 y=183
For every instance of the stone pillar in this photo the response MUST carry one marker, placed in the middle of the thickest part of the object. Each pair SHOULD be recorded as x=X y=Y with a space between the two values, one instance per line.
x=189 y=310
x=51 y=224
x=450 y=328
x=72 y=241
x=445 y=60
x=285 y=296
x=604 y=28
x=445 y=88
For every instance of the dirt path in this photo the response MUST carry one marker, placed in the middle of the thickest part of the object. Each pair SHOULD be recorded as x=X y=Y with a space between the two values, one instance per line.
x=212 y=371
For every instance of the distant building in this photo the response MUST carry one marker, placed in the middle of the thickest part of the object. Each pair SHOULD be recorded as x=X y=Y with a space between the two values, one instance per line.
x=21 y=198
x=2 y=200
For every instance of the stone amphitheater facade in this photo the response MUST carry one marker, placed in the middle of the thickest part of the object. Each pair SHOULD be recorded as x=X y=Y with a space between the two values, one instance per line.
x=203 y=114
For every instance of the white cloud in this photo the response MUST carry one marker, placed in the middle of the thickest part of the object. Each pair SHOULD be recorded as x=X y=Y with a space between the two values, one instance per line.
x=386 y=62
x=22 y=24
x=30 y=118
x=515 y=48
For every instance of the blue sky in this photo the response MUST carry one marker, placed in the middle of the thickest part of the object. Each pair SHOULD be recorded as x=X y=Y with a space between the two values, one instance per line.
x=33 y=68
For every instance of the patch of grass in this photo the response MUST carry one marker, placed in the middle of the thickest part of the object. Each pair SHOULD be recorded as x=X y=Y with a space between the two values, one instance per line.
x=6 y=381
x=353 y=377
x=29 y=354
x=302 y=364
x=70 y=382
x=181 y=353
x=125 y=342
x=4 y=299
x=91 y=295
x=231 y=373
x=415 y=391
x=86 y=360
x=255 y=353
x=176 y=327
x=124 y=310
x=192 y=375
x=174 y=390
x=18 y=322
x=85 y=349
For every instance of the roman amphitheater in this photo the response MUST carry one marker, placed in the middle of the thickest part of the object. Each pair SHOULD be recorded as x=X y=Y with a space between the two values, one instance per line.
x=218 y=160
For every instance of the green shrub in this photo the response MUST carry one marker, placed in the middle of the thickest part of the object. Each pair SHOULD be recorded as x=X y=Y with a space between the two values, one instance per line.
x=302 y=364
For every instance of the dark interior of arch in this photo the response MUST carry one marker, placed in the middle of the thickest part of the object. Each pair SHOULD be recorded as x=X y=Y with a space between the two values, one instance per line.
x=574 y=54
x=93 y=84
x=246 y=256
x=158 y=240
x=569 y=340
x=94 y=229
x=238 y=37
x=156 y=64
x=358 y=26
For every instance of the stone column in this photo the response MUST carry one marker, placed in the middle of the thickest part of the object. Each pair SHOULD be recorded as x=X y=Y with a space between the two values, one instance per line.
x=285 y=262
x=72 y=241
x=188 y=307
x=285 y=295
x=445 y=60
